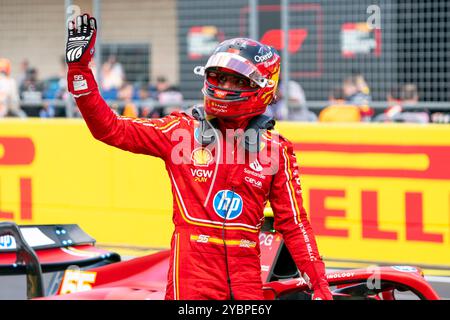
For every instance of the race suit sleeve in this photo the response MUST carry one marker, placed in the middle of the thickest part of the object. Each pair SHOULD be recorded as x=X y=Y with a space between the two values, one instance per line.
x=145 y=136
x=290 y=218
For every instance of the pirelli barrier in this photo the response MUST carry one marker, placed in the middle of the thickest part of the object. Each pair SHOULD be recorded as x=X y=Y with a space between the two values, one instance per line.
x=374 y=192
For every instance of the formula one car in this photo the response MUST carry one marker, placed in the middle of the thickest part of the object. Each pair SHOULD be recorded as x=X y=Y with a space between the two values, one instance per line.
x=83 y=271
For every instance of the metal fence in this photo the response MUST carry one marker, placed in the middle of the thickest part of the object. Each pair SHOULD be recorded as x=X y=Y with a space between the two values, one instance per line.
x=389 y=42
x=142 y=43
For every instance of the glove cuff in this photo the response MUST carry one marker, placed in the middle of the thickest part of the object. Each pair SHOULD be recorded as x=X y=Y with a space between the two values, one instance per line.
x=80 y=79
x=315 y=271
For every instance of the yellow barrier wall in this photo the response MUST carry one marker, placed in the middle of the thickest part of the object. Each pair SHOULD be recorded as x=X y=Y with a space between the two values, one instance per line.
x=374 y=192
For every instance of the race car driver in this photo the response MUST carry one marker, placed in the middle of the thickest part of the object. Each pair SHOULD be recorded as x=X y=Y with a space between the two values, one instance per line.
x=218 y=201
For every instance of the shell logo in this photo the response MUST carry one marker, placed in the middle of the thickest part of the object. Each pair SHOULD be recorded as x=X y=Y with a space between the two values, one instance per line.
x=201 y=157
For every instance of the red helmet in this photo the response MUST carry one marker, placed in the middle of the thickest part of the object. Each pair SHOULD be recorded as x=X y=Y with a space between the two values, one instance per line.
x=251 y=60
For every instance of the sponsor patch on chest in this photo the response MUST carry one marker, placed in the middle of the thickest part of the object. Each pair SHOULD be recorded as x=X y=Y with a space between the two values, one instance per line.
x=201 y=175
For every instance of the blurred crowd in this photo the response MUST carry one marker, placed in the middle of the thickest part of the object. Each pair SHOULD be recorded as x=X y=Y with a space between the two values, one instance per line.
x=350 y=101
x=29 y=96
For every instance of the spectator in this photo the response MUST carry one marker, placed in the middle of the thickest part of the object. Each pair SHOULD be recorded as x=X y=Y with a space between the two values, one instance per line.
x=356 y=91
x=362 y=85
x=47 y=111
x=126 y=95
x=340 y=113
x=403 y=106
x=56 y=90
x=32 y=89
x=410 y=94
x=297 y=110
x=343 y=109
x=24 y=66
x=440 y=116
x=113 y=75
x=394 y=96
x=336 y=96
x=147 y=103
x=169 y=97
x=161 y=85
x=9 y=97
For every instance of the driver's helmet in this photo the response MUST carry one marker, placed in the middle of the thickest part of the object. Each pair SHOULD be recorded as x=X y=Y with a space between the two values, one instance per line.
x=254 y=66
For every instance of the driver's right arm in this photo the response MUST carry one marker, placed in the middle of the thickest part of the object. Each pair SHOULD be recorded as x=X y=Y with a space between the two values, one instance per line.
x=146 y=136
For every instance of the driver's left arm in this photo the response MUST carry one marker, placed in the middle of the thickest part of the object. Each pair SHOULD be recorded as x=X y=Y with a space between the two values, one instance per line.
x=292 y=222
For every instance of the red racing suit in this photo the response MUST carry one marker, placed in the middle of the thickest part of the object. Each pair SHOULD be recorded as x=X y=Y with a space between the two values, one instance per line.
x=215 y=245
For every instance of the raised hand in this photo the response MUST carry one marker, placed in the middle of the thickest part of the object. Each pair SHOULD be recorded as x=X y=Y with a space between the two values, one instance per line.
x=79 y=51
x=81 y=39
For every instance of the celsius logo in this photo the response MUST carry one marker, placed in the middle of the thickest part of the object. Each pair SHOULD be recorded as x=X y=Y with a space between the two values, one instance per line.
x=227 y=204
x=253 y=182
x=256 y=166
x=264 y=57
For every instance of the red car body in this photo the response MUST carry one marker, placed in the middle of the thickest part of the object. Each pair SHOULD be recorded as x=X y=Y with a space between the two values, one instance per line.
x=91 y=273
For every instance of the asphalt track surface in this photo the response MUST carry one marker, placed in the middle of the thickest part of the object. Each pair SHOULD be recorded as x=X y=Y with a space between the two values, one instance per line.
x=14 y=287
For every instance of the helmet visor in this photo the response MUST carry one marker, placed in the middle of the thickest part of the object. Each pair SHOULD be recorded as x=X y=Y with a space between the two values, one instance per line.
x=237 y=64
